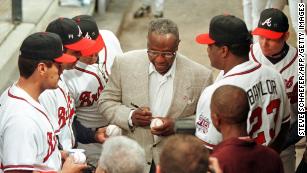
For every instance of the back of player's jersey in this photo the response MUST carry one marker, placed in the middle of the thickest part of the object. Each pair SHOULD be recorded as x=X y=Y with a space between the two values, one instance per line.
x=269 y=106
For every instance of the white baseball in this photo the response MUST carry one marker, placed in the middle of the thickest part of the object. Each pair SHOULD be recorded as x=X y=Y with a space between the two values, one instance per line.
x=156 y=122
x=79 y=157
x=113 y=130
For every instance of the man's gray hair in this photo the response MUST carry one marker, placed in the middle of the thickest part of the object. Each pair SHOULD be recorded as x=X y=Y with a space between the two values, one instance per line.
x=122 y=155
x=163 y=26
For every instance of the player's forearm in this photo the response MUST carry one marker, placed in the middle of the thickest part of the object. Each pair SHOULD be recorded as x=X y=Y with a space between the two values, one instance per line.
x=278 y=143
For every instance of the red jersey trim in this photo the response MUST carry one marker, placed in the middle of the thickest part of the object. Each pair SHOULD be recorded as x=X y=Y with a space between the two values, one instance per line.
x=17 y=166
x=290 y=63
x=63 y=93
x=245 y=72
x=89 y=72
x=105 y=58
x=27 y=167
x=252 y=53
x=23 y=99
x=284 y=68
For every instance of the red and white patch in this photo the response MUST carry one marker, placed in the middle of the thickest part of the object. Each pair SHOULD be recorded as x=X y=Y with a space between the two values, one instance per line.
x=203 y=123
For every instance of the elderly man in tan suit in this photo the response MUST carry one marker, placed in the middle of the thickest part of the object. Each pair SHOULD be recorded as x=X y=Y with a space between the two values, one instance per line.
x=162 y=82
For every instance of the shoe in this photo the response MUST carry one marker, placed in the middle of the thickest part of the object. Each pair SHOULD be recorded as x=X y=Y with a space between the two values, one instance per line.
x=158 y=15
x=141 y=12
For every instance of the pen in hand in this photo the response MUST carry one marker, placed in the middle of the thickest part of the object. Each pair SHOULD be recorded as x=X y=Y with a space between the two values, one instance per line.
x=142 y=116
x=135 y=106
x=141 y=108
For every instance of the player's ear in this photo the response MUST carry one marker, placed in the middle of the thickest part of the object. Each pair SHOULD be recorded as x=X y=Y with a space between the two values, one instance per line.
x=286 y=36
x=215 y=119
x=42 y=68
x=224 y=50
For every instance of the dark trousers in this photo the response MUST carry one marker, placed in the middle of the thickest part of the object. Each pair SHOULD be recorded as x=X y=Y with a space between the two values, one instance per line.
x=153 y=167
x=302 y=167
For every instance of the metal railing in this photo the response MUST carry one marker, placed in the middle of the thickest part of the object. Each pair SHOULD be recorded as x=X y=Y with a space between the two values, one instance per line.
x=11 y=10
x=16 y=11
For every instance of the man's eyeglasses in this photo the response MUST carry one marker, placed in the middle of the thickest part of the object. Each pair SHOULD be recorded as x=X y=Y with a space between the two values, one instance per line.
x=155 y=54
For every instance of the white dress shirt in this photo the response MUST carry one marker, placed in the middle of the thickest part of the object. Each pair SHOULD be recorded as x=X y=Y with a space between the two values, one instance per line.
x=160 y=90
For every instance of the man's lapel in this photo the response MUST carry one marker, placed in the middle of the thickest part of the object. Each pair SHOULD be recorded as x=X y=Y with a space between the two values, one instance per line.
x=141 y=92
x=180 y=93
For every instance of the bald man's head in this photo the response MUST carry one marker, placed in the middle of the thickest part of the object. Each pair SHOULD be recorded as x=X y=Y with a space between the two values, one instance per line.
x=230 y=104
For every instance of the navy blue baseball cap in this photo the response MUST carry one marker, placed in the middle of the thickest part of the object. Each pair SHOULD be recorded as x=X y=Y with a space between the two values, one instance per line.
x=273 y=23
x=45 y=46
x=225 y=29
x=70 y=33
x=90 y=30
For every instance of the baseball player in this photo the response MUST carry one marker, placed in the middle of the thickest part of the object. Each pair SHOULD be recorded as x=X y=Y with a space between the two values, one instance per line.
x=74 y=43
x=58 y=102
x=27 y=135
x=88 y=79
x=228 y=46
x=60 y=107
x=273 y=50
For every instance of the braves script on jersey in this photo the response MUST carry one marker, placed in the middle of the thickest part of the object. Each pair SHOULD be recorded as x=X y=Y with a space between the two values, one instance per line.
x=86 y=85
x=86 y=82
x=27 y=138
x=60 y=107
x=267 y=99
x=287 y=67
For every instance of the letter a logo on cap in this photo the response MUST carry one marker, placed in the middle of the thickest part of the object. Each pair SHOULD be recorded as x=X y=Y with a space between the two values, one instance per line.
x=80 y=32
x=87 y=36
x=267 y=22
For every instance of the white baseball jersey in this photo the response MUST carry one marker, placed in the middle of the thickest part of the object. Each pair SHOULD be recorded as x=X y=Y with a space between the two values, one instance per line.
x=27 y=138
x=269 y=107
x=288 y=70
x=60 y=107
x=86 y=82
x=113 y=48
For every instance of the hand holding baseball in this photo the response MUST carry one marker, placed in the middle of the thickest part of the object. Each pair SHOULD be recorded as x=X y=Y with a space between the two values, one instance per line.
x=113 y=130
x=79 y=157
x=70 y=166
x=166 y=129
x=156 y=122
x=100 y=135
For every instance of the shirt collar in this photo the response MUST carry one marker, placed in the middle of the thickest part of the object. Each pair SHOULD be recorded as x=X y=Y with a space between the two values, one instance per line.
x=170 y=73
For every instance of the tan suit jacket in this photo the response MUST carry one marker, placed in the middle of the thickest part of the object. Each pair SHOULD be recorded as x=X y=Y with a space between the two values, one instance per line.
x=128 y=83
